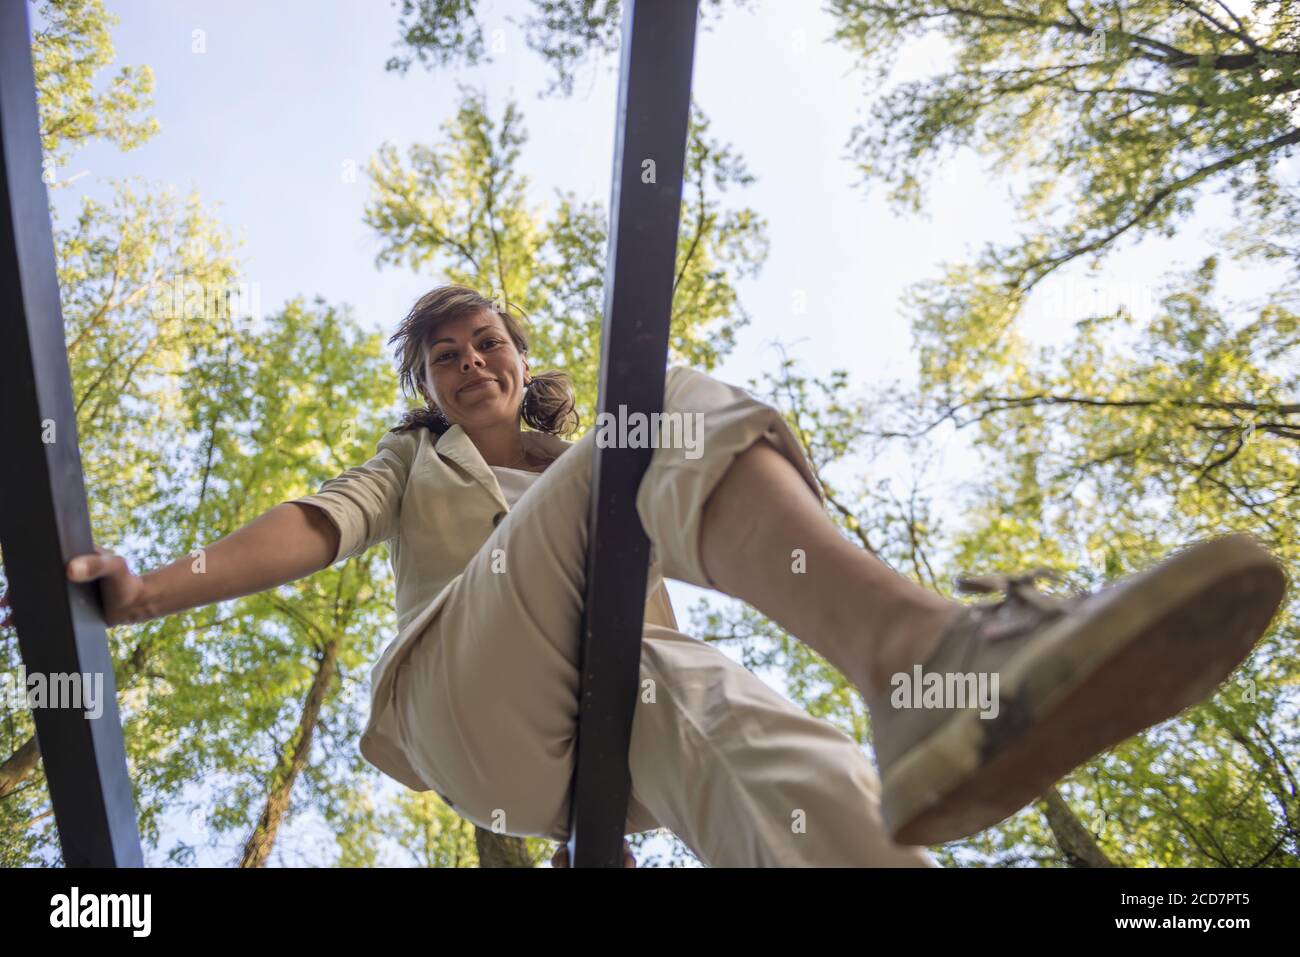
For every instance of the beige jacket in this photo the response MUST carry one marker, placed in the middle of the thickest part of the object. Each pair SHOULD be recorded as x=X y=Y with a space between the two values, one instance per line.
x=435 y=502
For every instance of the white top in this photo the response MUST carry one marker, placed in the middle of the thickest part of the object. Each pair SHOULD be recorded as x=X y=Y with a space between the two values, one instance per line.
x=514 y=482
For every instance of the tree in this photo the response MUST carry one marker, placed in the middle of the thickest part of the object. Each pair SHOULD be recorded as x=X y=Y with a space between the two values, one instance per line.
x=441 y=32
x=70 y=47
x=119 y=265
x=266 y=693
x=1116 y=117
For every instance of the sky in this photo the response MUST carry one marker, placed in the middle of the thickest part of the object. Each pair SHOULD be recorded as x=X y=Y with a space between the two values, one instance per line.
x=264 y=107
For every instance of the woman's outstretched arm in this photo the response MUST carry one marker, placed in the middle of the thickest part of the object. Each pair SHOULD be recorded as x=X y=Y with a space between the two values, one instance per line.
x=350 y=513
x=288 y=542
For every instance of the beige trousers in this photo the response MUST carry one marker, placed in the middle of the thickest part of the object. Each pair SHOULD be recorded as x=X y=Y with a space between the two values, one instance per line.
x=487 y=701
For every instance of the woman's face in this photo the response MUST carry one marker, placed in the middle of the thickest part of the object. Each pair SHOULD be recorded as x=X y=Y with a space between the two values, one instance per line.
x=475 y=371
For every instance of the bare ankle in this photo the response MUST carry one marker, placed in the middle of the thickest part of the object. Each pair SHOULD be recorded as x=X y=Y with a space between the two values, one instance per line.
x=908 y=643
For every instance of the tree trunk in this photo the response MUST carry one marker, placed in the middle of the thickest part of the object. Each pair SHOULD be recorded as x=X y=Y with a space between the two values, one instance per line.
x=258 y=847
x=500 y=850
x=19 y=765
x=1073 y=839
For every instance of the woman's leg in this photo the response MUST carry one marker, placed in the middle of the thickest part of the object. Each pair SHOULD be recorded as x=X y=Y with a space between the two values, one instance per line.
x=1070 y=677
x=743 y=776
x=766 y=540
x=741 y=513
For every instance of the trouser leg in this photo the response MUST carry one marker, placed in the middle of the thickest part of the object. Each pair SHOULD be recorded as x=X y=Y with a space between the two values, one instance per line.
x=744 y=777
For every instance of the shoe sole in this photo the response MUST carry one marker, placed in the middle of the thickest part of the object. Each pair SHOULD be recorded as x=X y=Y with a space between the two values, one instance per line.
x=1139 y=654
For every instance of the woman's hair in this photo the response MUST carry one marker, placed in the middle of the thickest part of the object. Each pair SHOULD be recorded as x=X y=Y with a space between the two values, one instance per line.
x=549 y=401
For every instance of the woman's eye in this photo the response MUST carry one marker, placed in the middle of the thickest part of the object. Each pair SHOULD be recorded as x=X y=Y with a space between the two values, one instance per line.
x=489 y=342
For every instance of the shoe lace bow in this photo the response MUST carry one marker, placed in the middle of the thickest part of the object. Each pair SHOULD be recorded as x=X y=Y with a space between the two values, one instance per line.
x=1023 y=605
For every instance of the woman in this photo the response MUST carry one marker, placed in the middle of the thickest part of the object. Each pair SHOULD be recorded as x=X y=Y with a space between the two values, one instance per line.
x=487 y=527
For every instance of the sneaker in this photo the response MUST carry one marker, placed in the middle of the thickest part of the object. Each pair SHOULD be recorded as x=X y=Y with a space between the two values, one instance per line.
x=1075 y=675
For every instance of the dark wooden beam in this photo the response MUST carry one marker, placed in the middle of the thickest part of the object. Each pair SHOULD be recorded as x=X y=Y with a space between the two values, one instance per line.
x=657 y=54
x=44 y=521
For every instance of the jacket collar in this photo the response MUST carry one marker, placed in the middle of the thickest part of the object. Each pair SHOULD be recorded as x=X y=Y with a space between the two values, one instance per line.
x=456 y=445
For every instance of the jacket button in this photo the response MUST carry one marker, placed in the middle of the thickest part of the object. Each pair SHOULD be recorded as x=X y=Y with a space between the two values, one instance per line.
x=496 y=519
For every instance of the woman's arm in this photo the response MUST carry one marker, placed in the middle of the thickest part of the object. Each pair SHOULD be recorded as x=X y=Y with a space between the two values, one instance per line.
x=288 y=542
x=350 y=513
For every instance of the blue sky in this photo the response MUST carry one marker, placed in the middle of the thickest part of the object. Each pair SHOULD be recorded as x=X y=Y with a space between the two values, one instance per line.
x=263 y=122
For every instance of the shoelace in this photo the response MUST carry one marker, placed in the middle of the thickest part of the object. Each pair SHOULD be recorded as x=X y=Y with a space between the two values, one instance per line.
x=1020 y=589
x=1020 y=586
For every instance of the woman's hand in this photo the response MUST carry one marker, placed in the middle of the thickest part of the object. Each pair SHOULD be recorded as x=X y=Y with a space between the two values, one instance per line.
x=561 y=857
x=122 y=591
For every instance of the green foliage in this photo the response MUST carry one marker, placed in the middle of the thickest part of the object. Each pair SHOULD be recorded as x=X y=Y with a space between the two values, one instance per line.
x=439 y=33
x=70 y=46
x=1130 y=106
